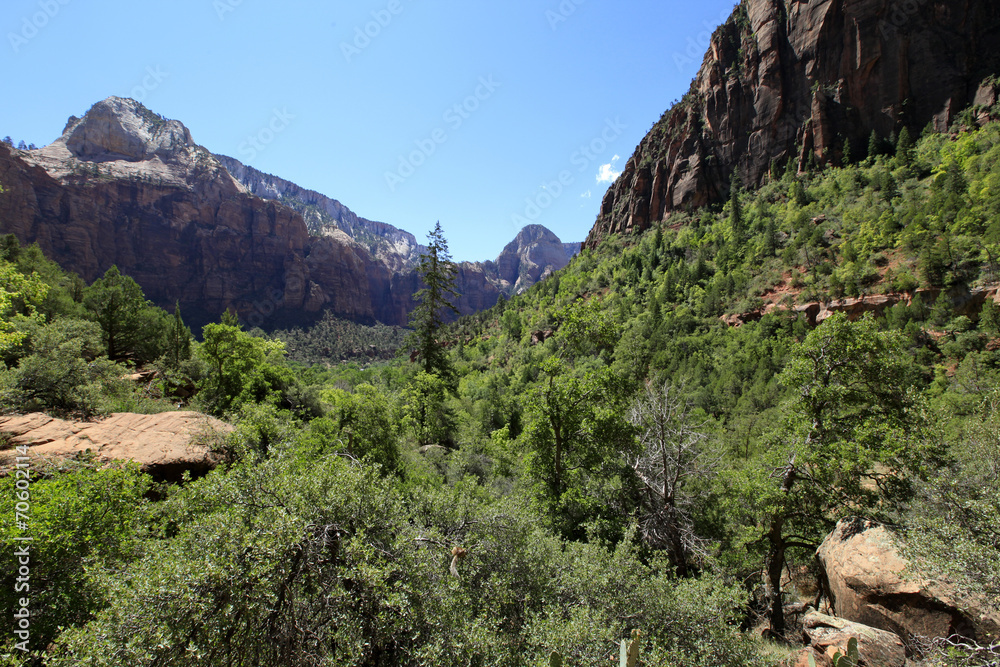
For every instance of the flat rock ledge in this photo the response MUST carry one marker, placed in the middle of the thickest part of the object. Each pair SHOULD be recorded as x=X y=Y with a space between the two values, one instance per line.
x=165 y=445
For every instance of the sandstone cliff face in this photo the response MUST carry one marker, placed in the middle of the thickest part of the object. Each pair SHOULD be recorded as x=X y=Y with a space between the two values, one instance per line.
x=123 y=186
x=183 y=231
x=395 y=248
x=781 y=75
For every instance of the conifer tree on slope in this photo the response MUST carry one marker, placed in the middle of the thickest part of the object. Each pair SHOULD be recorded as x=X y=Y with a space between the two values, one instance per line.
x=437 y=272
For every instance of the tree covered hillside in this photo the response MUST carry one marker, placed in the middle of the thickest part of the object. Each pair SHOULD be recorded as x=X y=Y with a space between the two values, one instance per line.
x=606 y=452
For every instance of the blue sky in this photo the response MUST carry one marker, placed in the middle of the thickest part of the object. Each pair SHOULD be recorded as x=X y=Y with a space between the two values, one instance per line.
x=485 y=116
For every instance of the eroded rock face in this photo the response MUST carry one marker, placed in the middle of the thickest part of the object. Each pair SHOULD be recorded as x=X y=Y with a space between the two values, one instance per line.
x=964 y=302
x=123 y=186
x=780 y=75
x=395 y=248
x=533 y=255
x=165 y=445
x=870 y=584
x=120 y=128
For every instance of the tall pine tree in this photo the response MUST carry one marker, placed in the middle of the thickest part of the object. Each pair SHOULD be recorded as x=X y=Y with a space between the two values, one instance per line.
x=178 y=340
x=437 y=272
x=905 y=148
x=117 y=303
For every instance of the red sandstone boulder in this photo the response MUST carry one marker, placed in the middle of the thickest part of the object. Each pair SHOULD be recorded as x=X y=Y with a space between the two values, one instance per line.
x=870 y=583
x=164 y=445
x=828 y=635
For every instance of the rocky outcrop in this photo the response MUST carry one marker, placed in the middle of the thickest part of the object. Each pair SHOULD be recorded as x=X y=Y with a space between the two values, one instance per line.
x=165 y=445
x=120 y=129
x=797 y=80
x=870 y=583
x=826 y=636
x=123 y=186
x=963 y=302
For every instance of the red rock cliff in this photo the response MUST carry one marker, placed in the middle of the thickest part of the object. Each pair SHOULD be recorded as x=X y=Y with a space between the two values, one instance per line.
x=786 y=79
x=127 y=187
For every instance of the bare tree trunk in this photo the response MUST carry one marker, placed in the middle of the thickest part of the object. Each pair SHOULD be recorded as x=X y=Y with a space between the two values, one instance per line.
x=775 y=562
x=773 y=594
x=678 y=554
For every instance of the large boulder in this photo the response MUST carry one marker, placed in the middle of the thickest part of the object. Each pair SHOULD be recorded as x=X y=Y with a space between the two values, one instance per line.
x=165 y=445
x=871 y=583
x=826 y=636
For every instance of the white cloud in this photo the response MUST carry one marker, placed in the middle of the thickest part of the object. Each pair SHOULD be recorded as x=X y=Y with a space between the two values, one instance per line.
x=607 y=173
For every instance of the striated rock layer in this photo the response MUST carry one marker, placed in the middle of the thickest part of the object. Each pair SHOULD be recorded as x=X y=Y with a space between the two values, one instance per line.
x=124 y=186
x=785 y=80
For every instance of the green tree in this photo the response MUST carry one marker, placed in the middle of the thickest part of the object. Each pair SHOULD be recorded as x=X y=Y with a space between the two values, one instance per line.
x=236 y=359
x=849 y=444
x=437 y=272
x=770 y=238
x=955 y=527
x=874 y=146
x=586 y=327
x=989 y=317
x=848 y=153
x=63 y=371
x=432 y=421
x=797 y=193
x=85 y=521
x=20 y=298
x=511 y=322
x=364 y=423
x=116 y=302
x=179 y=340
x=737 y=225
x=905 y=149
x=574 y=425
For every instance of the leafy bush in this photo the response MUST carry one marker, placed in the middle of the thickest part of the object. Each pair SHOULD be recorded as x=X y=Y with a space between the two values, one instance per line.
x=61 y=373
x=86 y=524
x=273 y=566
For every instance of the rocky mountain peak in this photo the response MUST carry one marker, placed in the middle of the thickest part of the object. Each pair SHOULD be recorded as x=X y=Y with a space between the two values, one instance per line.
x=123 y=129
x=534 y=234
x=532 y=256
